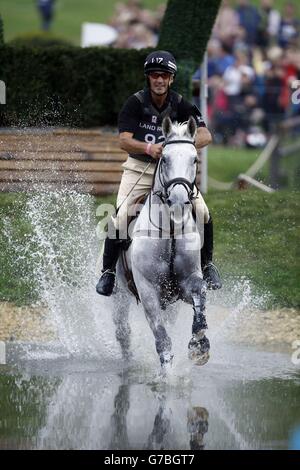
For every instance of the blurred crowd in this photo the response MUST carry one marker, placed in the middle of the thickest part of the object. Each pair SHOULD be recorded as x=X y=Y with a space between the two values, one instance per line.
x=253 y=63
x=253 y=60
x=137 y=27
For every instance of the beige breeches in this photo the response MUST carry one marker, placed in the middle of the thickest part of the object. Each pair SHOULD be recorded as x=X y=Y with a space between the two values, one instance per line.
x=127 y=197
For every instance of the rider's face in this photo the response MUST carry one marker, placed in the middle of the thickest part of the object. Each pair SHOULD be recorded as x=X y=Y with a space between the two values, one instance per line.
x=160 y=82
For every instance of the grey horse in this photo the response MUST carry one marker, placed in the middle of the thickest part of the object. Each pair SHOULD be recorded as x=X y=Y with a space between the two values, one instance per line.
x=164 y=254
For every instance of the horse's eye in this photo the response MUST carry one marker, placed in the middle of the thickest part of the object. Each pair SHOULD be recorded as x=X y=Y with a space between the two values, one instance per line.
x=196 y=159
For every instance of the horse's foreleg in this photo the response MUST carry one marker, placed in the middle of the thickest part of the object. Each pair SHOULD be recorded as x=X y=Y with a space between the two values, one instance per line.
x=120 y=318
x=199 y=344
x=199 y=303
x=150 y=301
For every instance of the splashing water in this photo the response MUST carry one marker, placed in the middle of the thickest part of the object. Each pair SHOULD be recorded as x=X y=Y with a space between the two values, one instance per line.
x=64 y=249
x=235 y=305
x=89 y=403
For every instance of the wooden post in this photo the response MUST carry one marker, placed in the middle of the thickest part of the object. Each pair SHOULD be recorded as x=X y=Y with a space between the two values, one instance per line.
x=274 y=169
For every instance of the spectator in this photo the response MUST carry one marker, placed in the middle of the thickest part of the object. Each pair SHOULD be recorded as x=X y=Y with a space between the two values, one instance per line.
x=290 y=74
x=269 y=24
x=273 y=88
x=236 y=100
x=249 y=75
x=137 y=26
x=219 y=58
x=249 y=19
x=237 y=77
x=226 y=24
x=241 y=44
x=289 y=26
x=219 y=111
x=45 y=8
x=224 y=59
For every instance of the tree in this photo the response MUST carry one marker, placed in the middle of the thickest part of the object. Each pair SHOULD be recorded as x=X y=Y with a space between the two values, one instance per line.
x=185 y=31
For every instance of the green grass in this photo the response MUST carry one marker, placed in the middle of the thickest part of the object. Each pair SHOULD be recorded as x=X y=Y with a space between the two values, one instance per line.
x=226 y=163
x=21 y=16
x=15 y=271
x=256 y=237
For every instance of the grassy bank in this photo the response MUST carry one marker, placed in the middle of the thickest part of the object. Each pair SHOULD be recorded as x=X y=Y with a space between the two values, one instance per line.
x=226 y=163
x=256 y=236
x=15 y=276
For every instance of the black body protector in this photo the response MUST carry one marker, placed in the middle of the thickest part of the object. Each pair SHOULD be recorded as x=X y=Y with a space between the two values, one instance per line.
x=150 y=125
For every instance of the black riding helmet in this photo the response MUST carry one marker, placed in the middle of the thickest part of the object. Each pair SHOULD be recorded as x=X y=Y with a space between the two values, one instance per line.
x=160 y=61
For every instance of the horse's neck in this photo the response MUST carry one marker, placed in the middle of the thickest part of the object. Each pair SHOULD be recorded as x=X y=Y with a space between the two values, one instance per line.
x=157 y=185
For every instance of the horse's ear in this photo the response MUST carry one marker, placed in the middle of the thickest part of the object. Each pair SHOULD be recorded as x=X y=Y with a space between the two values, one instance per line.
x=167 y=127
x=192 y=127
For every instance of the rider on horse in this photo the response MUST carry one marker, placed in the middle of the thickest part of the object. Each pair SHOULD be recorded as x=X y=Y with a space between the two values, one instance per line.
x=140 y=129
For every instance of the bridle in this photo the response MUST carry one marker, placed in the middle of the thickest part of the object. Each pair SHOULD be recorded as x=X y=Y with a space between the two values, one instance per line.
x=163 y=195
x=188 y=185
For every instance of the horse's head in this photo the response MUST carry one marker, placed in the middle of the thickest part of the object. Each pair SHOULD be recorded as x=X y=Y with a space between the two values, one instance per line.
x=178 y=163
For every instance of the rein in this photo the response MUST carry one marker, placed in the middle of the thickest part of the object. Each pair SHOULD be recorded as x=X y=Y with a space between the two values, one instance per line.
x=179 y=141
x=186 y=183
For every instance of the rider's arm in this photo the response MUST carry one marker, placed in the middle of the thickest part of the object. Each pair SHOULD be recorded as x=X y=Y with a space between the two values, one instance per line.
x=203 y=137
x=131 y=145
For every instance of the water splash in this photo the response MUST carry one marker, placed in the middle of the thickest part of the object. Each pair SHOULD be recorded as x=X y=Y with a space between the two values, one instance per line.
x=235 y=305
x=83 y=404
x=63 y=249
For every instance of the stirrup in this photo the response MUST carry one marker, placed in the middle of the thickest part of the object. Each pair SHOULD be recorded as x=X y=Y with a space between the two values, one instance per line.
x=108 y=271
x=106 y=283
x=213 y=282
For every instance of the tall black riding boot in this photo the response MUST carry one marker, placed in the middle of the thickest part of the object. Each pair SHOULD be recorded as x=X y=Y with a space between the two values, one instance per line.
x=210 y=272
x=111 y=253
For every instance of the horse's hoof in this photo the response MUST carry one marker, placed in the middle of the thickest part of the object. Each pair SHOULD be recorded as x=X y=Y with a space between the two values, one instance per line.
x=166 y=360
x=199 y=350
x=199 y=359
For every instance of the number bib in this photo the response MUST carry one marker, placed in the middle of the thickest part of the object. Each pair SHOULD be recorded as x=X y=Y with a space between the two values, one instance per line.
x=149 y=127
